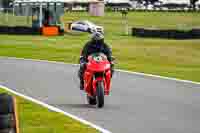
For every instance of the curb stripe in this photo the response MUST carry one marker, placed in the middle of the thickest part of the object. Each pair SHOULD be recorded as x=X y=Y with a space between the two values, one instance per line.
x=16 y=115
x=102 y=130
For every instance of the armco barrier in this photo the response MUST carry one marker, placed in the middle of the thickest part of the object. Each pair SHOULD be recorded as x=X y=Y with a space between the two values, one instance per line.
x=195 y=33
x=170 y=34
x=19 y=30
x=8 y=114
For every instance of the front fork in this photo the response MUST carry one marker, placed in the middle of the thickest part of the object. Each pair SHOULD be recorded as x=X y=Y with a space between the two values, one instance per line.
x=94 y=84
x=100 y=79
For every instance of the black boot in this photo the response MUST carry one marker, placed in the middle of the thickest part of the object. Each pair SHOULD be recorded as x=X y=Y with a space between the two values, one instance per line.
x=81 y=79
x=81 y=73
x=112 y=70
x=81 y=84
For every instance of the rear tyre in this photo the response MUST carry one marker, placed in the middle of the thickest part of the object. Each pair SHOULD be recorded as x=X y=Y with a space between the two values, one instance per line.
x=7 y=114
x=91 y=100
x=100 y=94
x=7 y=121
x=6 y=104
x=10 y=130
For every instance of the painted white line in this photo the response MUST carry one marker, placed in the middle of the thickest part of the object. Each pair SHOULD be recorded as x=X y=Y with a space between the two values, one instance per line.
x=161 y=77
x=125 y=71
x=102 y=130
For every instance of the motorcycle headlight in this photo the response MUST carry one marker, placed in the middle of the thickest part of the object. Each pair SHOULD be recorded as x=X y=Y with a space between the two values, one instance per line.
x=98 y=58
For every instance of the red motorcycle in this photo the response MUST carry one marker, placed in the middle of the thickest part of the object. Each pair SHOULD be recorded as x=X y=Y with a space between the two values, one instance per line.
x=97 y=79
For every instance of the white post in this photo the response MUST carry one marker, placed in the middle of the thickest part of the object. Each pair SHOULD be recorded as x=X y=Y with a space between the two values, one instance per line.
x=27 y=14
x=14 y=18
x=126 y=25
x=13 y=10
x=40 y=18
x=7 y=15
x=125 y=22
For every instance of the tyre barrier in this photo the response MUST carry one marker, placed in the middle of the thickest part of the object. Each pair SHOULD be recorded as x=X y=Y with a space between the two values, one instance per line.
x=169 y=34
x=8 y=114
x=19 y=30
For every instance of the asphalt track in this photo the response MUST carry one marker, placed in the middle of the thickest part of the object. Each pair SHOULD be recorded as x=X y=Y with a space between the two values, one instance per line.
x=138 y=104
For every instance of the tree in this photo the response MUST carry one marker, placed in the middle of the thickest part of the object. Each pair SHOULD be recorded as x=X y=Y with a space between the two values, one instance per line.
x=192 y=3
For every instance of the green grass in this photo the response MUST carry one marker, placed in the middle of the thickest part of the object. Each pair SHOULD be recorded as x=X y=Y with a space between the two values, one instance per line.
x=36 y=119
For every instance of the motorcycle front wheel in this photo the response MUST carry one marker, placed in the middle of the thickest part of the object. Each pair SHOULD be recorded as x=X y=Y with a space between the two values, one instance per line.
x=100 y=94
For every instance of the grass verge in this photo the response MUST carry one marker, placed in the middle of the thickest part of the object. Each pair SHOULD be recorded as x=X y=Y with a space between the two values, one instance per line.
x=36 y=119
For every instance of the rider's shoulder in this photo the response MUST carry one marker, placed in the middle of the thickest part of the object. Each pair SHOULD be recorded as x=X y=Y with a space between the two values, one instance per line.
x=106 y=44
x=87 y=43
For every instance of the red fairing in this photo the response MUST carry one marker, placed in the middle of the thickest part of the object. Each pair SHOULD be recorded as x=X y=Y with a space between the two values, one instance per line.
x=100 y=66
x=108 y=82
x=88 y=82
x=95 y=83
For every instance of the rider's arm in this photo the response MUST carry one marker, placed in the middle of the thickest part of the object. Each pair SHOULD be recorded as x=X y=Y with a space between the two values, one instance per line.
x=108 y=52
x=84 y=52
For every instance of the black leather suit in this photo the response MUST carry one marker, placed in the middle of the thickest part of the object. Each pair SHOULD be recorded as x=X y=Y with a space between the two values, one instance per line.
x=94 y=46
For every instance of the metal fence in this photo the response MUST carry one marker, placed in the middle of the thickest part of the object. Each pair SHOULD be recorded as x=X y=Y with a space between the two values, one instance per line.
x=9 y=18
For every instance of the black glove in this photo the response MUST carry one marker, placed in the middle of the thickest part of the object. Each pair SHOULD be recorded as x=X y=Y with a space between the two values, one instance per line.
x=82 y=60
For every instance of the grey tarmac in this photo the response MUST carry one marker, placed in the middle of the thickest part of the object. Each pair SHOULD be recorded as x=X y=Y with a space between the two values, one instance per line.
x=137 y=104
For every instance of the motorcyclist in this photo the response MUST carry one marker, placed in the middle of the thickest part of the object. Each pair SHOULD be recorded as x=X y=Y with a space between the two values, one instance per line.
x=95 y=45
